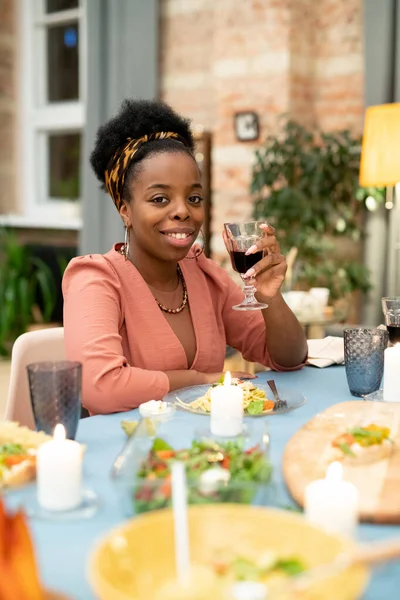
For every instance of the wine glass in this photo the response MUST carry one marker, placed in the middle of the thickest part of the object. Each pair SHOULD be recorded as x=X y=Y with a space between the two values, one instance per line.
x=391 y=311
x=240 y=237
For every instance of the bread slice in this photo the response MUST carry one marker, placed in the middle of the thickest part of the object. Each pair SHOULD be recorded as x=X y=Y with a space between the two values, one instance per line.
x=25 y=471
x=20 y=474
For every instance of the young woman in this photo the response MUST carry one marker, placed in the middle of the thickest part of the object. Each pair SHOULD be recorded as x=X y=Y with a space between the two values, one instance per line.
x=154 y=314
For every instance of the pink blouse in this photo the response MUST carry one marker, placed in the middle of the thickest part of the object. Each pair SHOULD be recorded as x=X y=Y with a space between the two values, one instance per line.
x=114 y=326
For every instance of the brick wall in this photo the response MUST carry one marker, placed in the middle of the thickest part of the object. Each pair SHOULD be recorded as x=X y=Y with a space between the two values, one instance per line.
x=222 y=56
x=269 y=56
x=8 y=108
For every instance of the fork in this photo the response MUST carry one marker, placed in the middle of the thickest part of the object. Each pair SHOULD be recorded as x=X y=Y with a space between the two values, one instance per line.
x=278 y=402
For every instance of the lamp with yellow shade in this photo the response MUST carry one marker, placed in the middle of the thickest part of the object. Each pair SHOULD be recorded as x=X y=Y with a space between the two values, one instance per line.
x=380 y=156
x=380 y=167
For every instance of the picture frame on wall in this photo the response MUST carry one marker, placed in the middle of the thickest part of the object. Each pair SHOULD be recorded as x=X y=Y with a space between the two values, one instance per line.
x=247 y=126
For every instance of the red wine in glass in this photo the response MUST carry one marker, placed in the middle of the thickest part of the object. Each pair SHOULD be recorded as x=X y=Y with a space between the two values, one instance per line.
x=242 y=262
x=239 y=237
x=394 y=333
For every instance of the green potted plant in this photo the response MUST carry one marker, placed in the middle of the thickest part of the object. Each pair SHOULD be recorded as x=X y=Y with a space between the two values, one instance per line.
x=305 y=183
x=23 y=279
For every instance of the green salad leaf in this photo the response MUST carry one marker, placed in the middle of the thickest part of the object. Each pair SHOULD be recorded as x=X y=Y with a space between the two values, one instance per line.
x=129 y=427
x=9 y=449
x=289 y=566
x=255 y=407
x=364 y=432
x=345 y=448
x=160 y=444
x=245 y=569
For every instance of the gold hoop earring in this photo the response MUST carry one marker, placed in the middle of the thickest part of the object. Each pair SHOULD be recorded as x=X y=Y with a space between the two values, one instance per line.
x=199 y=251
x=126 y=243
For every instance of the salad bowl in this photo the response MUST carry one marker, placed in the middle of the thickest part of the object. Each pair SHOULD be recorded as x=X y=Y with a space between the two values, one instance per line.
x=217 y=469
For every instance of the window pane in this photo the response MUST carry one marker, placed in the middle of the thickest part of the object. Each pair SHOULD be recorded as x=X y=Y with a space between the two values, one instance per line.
x=64 y=158
x=57 y=5
x=63 y=63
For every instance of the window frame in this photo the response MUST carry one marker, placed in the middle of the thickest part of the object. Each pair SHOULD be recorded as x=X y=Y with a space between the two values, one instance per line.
x=39 y=119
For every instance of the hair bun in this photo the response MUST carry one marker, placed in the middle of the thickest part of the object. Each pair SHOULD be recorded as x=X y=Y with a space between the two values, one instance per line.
x=135 y=119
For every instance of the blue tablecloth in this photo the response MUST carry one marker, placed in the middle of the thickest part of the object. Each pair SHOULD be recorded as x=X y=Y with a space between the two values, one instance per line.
x=64 y=547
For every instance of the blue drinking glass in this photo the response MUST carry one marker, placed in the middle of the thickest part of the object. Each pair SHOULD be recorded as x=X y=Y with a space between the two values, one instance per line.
x=56 y=392
x=363 y=358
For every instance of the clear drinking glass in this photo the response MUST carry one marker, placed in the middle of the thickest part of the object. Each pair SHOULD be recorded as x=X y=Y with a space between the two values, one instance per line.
x=240 y=237
x=363 y=358
x=391 y=310
x=55 y=389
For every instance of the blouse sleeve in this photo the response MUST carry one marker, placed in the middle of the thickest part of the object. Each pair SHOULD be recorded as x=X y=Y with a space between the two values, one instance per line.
x=93 y=315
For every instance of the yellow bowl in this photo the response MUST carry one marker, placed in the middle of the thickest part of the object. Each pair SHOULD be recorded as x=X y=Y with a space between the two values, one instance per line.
x=133 y=561
x=50 y=595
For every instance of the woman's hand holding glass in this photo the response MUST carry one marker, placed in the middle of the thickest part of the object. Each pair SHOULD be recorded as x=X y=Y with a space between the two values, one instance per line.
x=270 y=271
x=264 y=277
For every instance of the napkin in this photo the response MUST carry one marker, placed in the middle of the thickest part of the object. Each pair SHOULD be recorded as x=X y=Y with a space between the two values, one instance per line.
x=326 y=352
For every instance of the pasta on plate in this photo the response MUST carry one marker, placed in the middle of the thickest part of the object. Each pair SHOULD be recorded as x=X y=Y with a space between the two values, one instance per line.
x=255 y=400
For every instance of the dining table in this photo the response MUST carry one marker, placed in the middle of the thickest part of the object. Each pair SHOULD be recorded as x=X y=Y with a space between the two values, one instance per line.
x=64 y=547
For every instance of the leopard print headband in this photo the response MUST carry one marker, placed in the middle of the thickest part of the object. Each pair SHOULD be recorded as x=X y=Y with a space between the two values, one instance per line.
x=114 y=176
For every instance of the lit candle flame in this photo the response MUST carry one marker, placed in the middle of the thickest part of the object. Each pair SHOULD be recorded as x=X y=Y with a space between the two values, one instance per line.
x=59 y=433
x=334 y=472
x=227 y=379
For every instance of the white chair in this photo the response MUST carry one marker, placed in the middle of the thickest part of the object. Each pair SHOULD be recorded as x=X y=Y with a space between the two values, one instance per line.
x=30 y=347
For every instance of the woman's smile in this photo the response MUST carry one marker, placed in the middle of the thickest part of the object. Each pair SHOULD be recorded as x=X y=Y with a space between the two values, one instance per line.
x=179 y=236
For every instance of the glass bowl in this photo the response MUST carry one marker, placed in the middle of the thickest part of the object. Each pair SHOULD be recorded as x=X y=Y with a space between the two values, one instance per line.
x=235 y=470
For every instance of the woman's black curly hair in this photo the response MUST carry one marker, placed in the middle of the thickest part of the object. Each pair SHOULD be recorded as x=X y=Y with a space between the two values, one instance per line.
x=135 y=119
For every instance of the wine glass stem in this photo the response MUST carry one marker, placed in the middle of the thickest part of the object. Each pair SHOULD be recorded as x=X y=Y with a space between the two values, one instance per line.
x=249 y=291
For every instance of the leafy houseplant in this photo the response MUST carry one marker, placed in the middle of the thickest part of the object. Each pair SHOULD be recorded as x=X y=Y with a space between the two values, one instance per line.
x=23 y=279
x=305 y=183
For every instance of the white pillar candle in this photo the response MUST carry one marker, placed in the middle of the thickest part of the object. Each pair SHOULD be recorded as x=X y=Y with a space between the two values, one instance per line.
x=332 y=503
x=227 y=409
x=181 y=528
x=59 y=473
x=391 y=375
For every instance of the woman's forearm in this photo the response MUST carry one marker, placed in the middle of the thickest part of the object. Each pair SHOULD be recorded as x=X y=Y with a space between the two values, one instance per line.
x=286 y=340
x=180 y=379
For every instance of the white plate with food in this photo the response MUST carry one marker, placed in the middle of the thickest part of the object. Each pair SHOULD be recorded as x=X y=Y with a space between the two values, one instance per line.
x=258 y=400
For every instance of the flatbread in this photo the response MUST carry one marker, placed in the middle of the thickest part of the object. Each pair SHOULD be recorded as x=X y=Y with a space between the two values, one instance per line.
x=12 y=432
x=23 y=472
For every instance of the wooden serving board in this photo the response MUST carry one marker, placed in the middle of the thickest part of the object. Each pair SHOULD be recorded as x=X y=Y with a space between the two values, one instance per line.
x=309 y=452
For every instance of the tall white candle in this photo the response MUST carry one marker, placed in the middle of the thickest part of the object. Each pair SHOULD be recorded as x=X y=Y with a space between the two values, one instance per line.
x=227 y=409
x=179 y=508
x=59 y=473
x=391 y=375
x=332 y=503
